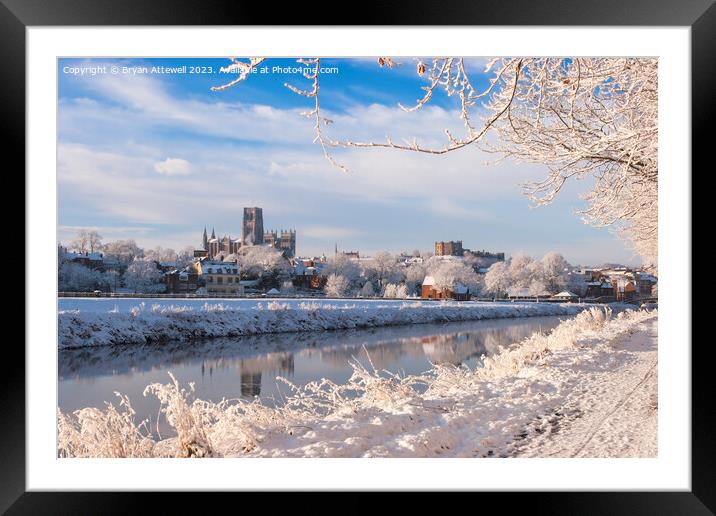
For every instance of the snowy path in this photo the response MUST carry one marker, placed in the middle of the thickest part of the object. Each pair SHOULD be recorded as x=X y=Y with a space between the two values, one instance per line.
x=609 y=412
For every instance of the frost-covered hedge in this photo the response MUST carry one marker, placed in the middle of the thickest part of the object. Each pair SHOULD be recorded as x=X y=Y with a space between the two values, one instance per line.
x=158 y=323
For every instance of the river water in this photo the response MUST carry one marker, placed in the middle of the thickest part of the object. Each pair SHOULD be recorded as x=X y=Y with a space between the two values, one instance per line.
x=247 y=367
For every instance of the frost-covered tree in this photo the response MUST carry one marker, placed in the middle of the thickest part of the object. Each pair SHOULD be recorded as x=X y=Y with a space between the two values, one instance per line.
x=537 y=288
x=581 y=117
x=122 y=251
x=266 y=263
x=367 y=290
x=143 y=276
x=287 y=287
x=498 y=279
x=185 y=257
x=555 y=270
x=336 y=286
x=382 y=269
x=74 y=277
x=87 y=240
x=549 y=275
x=113 y=279
x=414 y=276
x=522 y=271
x=342 y=265
x=450 y=273
x=394 y=291
x=161 y=254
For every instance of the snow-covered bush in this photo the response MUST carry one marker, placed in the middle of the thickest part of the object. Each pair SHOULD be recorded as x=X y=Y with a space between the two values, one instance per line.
x=109 y=433
x=336 y=286
x=395 y=291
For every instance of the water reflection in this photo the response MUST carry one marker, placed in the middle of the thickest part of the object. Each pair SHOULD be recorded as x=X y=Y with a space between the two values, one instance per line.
x=247 y=367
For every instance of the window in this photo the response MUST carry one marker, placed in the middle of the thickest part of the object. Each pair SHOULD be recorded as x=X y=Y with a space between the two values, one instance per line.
x=219 y=280
x=231 y=280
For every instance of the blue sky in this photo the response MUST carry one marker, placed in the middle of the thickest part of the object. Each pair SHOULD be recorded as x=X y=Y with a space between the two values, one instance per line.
x=156 y=157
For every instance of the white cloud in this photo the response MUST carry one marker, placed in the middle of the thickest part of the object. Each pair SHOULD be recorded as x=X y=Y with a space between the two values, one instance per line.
x=173 y=167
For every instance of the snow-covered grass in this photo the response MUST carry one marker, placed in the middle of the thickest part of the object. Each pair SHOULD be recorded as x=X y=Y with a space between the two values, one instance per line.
x=447 y=411
x=159 y=322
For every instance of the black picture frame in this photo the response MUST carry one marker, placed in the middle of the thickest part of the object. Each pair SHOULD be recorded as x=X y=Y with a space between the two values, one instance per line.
x=700 y=15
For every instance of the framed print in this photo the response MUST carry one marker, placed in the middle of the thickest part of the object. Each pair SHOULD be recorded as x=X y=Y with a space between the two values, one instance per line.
x=416 y=257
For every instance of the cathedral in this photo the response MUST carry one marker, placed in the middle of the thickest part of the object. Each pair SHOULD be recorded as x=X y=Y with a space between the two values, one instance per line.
x=252 y=234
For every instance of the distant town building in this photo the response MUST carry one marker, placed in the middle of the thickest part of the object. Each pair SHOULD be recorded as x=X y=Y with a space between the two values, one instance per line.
x=455 y=248
x=252 y=233
x=285 y=241
x=219 y=277
x=457 y=292
x=181 y=282
x=449 y=248
x=350 y=254
x=253 y=226
x=566 y=296
x=91 y=260
x=497 y=257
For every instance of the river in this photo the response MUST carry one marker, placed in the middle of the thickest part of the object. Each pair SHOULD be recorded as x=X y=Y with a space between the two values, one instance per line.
x=247 y=367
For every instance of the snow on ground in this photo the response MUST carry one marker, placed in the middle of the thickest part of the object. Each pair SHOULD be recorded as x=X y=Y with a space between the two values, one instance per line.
x=610 y=411
x=150 y=322
x=585 y=389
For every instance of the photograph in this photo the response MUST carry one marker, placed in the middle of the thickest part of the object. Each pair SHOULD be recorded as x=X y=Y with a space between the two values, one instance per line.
x=357 y=257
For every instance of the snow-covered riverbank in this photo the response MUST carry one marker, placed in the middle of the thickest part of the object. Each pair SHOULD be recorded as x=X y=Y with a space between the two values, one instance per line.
x=160 y=322
x=585 y=389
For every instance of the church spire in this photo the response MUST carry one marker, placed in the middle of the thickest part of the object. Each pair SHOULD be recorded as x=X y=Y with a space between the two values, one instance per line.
x=213 y=235
x=205 y=241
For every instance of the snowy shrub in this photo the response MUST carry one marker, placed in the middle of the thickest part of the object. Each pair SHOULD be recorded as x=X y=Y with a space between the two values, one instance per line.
x=170 y=309
x=111 y=433
x=277 y=306
x=136 y=310
x=395 y=291
x=389 y=291
x=336 y=286
x=215 y=307
x=188 y=421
